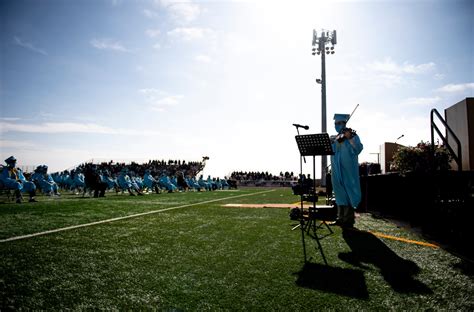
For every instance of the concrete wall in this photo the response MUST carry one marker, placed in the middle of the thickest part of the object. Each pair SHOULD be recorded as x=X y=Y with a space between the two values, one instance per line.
x=460 y=118
x=386 y=155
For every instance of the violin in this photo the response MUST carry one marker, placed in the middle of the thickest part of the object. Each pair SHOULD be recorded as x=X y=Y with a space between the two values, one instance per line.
x=341 y=137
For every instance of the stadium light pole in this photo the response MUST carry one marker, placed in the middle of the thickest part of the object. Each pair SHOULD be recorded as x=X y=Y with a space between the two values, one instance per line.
x=320 y=48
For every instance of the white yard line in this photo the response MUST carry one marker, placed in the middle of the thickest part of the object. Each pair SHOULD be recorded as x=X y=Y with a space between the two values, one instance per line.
x=122 y=218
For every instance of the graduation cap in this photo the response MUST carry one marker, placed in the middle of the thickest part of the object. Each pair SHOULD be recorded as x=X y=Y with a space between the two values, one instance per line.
x=341 y=117
x=10 y=160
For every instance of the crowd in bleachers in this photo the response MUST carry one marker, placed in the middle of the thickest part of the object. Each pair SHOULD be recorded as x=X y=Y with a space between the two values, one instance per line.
x=157 y=167
x=257 y=176
x=135 y=178
x=252 y=178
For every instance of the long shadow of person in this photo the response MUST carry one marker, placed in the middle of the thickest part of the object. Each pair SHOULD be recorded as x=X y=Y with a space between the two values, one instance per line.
x=398 y=272
x=346 y=282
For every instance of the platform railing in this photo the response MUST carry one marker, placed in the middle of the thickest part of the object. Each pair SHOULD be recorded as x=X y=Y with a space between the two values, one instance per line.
x=457 y=157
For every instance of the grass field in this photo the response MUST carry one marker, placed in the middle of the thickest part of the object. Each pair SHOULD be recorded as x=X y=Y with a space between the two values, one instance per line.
x=197 y=255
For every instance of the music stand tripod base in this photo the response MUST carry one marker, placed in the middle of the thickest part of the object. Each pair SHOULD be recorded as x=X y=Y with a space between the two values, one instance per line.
x=312 y=145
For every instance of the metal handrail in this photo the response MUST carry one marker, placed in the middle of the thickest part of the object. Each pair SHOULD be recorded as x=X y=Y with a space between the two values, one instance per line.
x=457 y=158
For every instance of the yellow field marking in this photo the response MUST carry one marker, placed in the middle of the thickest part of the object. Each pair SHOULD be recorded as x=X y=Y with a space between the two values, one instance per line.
x=125 y=217
x=404 y=240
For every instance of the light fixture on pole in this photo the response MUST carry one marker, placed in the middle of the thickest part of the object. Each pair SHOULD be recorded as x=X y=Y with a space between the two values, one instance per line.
x=399 y=138
x=323 y=44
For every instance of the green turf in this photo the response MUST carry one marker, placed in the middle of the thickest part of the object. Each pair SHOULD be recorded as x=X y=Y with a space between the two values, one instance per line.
x=209 y=257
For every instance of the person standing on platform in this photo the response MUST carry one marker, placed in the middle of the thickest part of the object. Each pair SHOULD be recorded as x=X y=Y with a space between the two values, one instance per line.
x=345 y=171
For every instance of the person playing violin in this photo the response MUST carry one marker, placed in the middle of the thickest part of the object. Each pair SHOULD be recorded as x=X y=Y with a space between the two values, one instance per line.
x=345 y=171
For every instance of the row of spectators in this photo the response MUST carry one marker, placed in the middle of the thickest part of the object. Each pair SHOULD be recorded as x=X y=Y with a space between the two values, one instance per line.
x=252 y=176
x=135 y=178
x=256 y=176
x=90 y=177
x=156 y=167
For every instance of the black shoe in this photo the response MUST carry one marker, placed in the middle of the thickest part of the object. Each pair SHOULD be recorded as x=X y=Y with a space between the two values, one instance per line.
x=349 y=226
x=32 y=200
x=336 y=223
x=18 y=200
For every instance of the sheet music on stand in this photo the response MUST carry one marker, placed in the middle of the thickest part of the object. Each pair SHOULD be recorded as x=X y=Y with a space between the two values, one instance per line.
x=314 y=144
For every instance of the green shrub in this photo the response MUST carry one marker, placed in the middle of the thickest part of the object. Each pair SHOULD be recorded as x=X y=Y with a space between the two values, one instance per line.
x=419 y=158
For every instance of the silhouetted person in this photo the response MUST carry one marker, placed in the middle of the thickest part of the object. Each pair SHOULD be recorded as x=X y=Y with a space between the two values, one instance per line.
x=345 y=171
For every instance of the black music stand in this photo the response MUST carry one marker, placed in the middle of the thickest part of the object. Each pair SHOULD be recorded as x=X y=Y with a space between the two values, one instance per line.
x=312 y=145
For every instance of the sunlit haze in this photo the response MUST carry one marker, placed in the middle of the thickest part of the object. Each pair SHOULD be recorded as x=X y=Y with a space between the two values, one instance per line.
x=139 y=80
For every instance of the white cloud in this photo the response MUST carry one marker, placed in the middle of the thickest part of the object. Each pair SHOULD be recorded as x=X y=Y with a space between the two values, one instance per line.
x=203 y=59
x=16 y=144
x=10 y=118
x=108 y=44
x=190 y=33
x=153 y=33
x=418 y=69
x=159 y=99
x=29 y=46
x=182 y=11
x=388 y=66
x=54 y=128
x=68 y=127
x=421 y=101
x=390 y=73
x=171 y=100
x=149 y=13
x=456 y=88
x=151 y=92
x=157 y=46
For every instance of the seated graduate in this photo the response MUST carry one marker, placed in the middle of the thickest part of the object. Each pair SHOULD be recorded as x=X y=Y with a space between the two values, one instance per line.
x=13 y=179
x=193 y=183
x=212 y=183
x=225 y=184
x=78 y=183
x=45 y=181
x=108 y=179
x=166 y=183
x=125 y=183
x=150 y=182
x=204 y=184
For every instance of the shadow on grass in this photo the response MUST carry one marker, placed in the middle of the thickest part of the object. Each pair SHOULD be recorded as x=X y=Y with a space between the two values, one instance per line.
x=466 y=267
x=398 y=272
x=346 y=282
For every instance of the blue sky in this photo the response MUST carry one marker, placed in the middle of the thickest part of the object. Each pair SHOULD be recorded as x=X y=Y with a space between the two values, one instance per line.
x=123 y=80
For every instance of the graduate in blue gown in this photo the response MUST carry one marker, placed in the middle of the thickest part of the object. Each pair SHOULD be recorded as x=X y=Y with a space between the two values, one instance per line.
x=13 y=179
x=345 y=171
x=45 y=181
x=150 y=182
x=166 y=183
x=125 y=183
